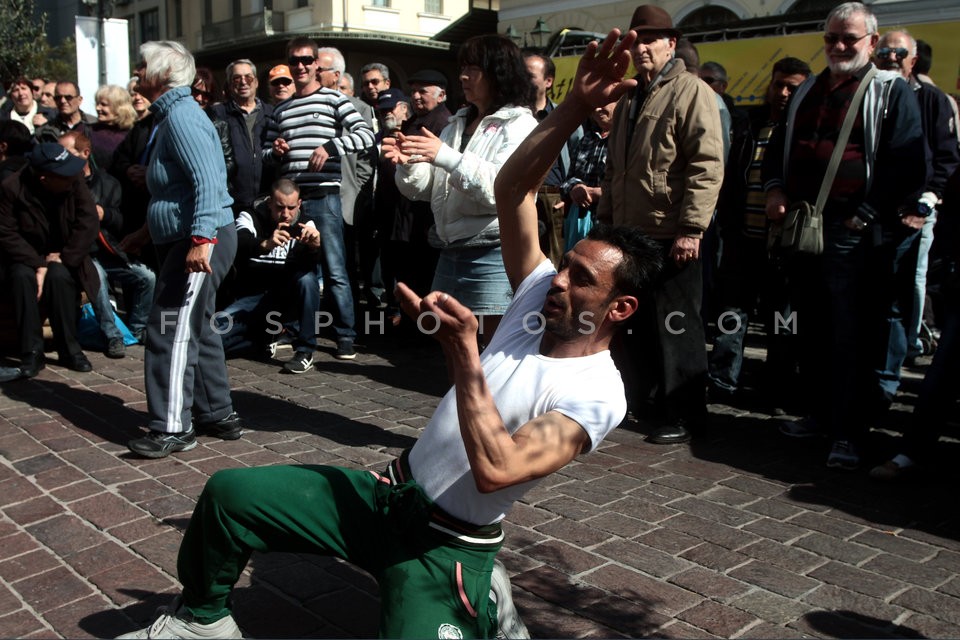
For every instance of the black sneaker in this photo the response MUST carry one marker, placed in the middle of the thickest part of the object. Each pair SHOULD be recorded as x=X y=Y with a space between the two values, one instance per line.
x=157 y=444
x=345 y=350
x=115 y=348
x=228 y=428
x=301 y=362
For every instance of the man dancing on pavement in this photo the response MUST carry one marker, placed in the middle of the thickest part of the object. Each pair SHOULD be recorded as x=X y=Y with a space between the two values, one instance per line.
x=544 y=391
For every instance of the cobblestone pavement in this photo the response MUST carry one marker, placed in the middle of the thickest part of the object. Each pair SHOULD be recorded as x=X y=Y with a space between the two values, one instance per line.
x=743 y=533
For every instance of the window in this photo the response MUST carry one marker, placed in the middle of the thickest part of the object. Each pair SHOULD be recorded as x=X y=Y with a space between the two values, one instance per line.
x=303 y=3
x=149 y=25
x=433 y=6
x=380 y=3
x=178 y=18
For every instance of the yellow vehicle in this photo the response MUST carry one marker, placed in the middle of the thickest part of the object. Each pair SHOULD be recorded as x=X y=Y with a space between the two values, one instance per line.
x=749 y=60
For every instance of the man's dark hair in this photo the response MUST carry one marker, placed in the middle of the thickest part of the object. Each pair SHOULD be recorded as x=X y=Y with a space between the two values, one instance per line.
x=300 y=42
x=924 y=58
x=791 y=66
x=642 y=257
x=687 y=52
x=17 y=137
x=502 y=64
x=549 y=69
x=76 y=87
x=286 y=186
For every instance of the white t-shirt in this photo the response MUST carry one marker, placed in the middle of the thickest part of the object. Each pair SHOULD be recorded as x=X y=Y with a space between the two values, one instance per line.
x=525 y=385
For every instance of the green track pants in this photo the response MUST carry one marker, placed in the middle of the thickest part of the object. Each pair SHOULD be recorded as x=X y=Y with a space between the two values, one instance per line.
x=432 y=584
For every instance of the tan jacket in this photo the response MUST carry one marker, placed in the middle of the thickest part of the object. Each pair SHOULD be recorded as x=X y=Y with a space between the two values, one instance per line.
x=668 y=181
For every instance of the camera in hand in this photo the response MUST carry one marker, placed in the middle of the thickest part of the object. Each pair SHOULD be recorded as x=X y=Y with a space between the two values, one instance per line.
x=295 y=230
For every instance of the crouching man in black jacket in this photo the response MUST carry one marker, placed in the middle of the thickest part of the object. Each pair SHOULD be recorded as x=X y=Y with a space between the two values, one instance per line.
x=276 y=259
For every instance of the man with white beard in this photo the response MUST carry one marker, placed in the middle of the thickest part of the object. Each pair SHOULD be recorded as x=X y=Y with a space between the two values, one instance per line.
x=851 y=299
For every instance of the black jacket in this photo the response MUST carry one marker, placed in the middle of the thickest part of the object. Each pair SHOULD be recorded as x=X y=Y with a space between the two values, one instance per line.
x=26 y=235
x=247 y=182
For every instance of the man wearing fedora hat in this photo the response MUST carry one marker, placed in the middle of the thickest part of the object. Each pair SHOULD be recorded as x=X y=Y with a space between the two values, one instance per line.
x=663 y=175
x=48 y=222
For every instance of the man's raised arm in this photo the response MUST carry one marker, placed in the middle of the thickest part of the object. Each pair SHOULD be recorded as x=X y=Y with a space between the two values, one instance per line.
x=599 y=81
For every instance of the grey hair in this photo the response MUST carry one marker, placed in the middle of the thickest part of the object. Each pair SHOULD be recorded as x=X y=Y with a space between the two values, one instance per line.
x=717 y=70
x=349 y=78
x=168 y=62
x=240 y=61
x=376 y=66
x=911 y=41
x=847 y=10
x=339 y=64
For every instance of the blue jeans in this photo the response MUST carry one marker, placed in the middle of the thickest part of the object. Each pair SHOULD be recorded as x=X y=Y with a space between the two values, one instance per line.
x=892 y=278
x=102 y=309
x=298 y=295
x=138 y=282
x=914 y=348
x=326 y=215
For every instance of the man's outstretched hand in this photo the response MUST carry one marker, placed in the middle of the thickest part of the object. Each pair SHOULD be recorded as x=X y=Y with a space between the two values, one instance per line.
x=450 y=322
x=599 y=80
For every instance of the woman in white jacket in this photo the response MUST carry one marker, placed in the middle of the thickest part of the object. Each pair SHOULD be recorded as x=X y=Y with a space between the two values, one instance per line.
x=456 y=171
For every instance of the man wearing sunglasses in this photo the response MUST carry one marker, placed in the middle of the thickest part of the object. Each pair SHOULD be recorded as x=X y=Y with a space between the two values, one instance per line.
x=850 y=301
x=307 y=138
x=69 y=116
x=246 y=116
x=897 y=51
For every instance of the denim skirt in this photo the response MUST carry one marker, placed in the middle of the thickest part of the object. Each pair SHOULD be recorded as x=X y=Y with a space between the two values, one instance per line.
x=475 y=277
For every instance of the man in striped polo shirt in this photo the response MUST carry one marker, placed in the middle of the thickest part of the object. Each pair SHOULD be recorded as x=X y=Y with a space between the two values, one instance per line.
x=307 y=137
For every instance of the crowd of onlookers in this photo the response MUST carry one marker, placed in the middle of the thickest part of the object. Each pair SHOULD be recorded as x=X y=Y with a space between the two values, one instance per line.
x=337 y=191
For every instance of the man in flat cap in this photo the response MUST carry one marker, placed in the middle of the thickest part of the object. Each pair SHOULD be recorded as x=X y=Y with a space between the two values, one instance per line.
x=48 y=222
x=663 y=175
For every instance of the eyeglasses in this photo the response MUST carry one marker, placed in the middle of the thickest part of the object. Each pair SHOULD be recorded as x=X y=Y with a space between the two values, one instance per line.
x=884 y=52
x=848 y=39
x=248 y=78
x=59 y=98
x=373 y=81
x=201 y=93
x=282 y=81
x=710 y=80
x=304 y=60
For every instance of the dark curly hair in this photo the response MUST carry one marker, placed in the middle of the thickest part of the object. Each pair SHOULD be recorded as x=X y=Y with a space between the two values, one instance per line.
x=642 y=258
x=504 y=68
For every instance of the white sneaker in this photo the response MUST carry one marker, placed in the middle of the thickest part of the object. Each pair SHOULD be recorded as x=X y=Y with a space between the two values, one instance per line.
x=509 y=624
x=170 y=624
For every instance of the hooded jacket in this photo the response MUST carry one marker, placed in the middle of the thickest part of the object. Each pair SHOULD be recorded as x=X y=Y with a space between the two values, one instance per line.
x=459 y=185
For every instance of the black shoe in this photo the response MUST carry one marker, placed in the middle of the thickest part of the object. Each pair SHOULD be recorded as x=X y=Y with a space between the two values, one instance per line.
x=228 y=428
x=76 y=362
x=345 y=350
x=675 y=433
x=31 y=364
x=10 y=373
x=115 y=348
x=157 y=444
x=301 y=362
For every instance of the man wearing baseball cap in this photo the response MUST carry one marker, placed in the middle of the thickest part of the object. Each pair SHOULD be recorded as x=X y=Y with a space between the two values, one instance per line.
x=48 y=222
x=663 y=175
x=281 y=83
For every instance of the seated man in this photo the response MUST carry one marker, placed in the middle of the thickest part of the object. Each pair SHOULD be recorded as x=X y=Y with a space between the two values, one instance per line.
x=137 y=280
x=276 y=261
x=48 y=221
x=428 y=529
